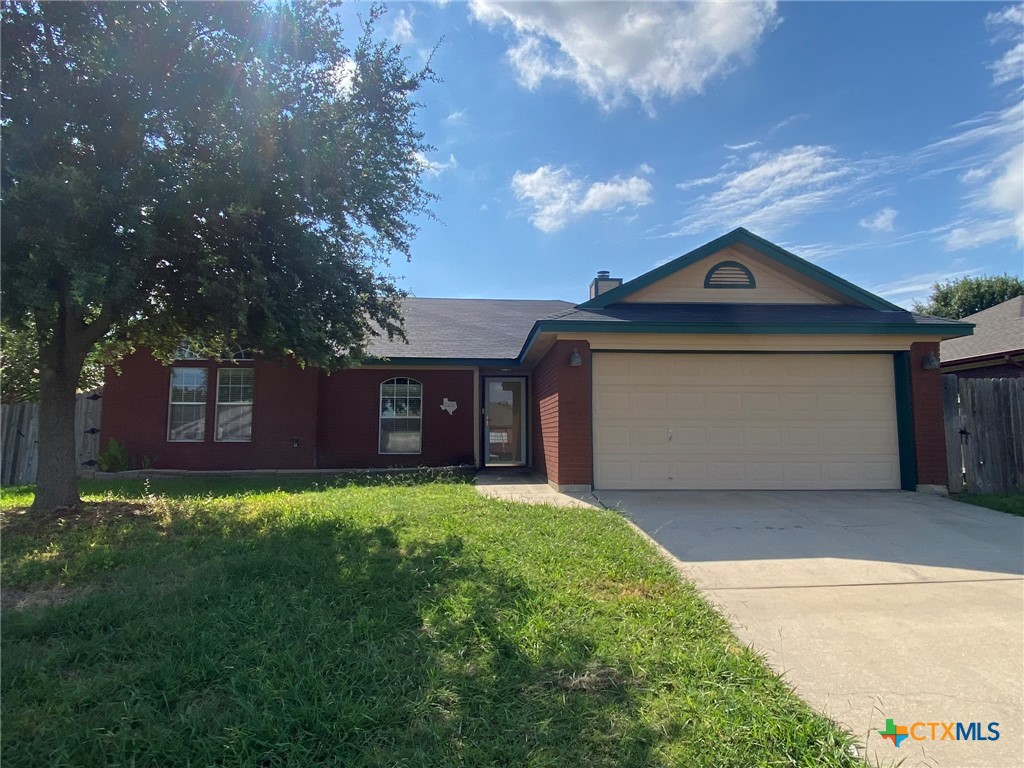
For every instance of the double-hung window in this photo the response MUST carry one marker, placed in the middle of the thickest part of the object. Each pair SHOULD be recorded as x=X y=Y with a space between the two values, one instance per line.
x=186 y=421
x=401 y=408
x=234 y=405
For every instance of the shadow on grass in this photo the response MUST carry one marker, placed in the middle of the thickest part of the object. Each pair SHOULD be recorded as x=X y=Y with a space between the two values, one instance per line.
x=319 y=643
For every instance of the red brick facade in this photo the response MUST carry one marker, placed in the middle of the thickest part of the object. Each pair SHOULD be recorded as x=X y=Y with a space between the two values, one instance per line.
x=562 y=449
x=926 y=402
x=349 y=419
x=302 y=418
x=307 y=419
x=136 y=402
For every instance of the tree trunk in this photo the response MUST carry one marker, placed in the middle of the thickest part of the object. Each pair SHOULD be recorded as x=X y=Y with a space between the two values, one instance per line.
x=57 y=473
x=61 y=357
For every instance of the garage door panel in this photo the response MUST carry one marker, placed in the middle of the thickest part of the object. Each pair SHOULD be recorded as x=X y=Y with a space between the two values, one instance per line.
x=686 y=402
x=764 y=437
x=724 y=405
x=797 y=421
x=725 y=437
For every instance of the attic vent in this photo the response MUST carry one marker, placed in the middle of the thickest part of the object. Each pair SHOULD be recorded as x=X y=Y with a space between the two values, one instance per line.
x=729 y=274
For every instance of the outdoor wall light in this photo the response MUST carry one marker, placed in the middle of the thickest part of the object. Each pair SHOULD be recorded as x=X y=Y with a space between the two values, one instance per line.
x=930 y=363
x=295 y=442
x=574 y=359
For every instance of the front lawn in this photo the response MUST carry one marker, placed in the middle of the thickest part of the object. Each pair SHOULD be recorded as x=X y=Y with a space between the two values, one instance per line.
x=1004 y=502
x=189 y=623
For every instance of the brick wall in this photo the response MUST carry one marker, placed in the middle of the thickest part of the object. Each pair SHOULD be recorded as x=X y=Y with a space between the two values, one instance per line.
x=544 y=417
x=926 y=401
x=348 y=420
x=562 y=449
x=135 y=406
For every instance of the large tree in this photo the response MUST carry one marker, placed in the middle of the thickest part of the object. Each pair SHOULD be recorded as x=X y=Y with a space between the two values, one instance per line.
x=230 y=172
x=956 y=299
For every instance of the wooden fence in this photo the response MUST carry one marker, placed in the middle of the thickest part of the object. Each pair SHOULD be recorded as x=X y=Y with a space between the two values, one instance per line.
x=984 y=434
x=19 y=423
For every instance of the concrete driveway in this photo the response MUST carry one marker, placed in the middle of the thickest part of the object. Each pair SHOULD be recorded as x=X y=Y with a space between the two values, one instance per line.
x=874 y=605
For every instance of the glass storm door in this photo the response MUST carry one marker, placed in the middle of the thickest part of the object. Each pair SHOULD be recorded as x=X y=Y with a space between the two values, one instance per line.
x=504 y=422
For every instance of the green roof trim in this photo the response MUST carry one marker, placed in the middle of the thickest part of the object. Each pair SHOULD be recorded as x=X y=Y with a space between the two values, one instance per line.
x=818 y=329
x=759 y=244
x=905 y=422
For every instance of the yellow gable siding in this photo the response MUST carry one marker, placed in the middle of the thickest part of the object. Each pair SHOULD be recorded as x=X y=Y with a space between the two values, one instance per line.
x=773 y=285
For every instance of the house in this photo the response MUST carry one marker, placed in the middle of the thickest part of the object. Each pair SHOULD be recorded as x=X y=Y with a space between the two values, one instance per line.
x=736 y=366
x=996 y=350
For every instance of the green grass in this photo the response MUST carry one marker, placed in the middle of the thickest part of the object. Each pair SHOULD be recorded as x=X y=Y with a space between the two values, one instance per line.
x=1004 y=502
x=396 y=624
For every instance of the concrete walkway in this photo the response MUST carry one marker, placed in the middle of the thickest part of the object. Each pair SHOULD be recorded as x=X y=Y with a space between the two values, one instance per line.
x=874 y=605
x=527 y=488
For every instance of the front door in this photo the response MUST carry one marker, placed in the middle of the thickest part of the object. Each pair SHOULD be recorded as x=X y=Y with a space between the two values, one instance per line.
x=504 y=421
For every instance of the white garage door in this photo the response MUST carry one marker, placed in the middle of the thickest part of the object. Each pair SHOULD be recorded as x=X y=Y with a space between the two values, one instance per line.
x=735 y=421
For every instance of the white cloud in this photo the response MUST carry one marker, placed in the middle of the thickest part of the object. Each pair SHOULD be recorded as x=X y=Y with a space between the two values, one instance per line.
x=1010 y=67
x=881 y=221
x=1011 y=15
x=557 y=197
x=787 y=121
x=995 y=208
x=701 y=182
x=611 y=51
x=401 y=29
x=1001 y=127
x=906 y=290
x=646 y=169
x=457 y=117
x=741 y=147
x=773 y=190
x=973 y=175
x=436 y=167
x=1007 y=24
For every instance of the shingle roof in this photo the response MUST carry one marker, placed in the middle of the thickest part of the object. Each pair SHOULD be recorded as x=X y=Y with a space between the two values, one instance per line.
x=998 y=330
x=466 y=328
x=496 y=329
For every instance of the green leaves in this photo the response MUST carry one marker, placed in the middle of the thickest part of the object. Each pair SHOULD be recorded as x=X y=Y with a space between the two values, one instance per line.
x=201 y=169
x=956 y=299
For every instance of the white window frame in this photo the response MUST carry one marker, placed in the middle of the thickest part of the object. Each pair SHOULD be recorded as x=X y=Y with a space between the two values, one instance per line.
x=381 y=417
x=218 y=404
x=171 y=402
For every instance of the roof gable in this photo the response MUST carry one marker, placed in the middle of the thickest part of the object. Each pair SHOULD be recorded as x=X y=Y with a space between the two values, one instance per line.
x=779 y=277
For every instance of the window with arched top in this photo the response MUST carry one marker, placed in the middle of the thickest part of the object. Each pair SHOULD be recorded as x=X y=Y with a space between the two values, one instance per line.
x=401 y=416
x=729 y=274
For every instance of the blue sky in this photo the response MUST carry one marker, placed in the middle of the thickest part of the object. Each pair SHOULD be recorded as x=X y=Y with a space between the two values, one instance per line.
x=883 y=141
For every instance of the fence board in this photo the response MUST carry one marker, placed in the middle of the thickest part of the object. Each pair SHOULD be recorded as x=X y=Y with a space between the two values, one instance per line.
x=19 y=458
x=990 y=413
x=951 y=414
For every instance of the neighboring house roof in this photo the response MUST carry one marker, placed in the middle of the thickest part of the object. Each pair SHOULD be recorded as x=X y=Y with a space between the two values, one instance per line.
x=465 y=329
x=998 y=331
